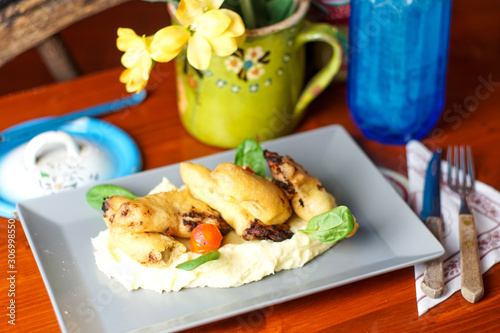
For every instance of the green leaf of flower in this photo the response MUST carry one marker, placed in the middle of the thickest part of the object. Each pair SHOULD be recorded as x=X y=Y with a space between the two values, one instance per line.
x=279 y=9
x=331 y=226
x=192 y=264
x=261 y=13
x=96 y=195
x=250 y=153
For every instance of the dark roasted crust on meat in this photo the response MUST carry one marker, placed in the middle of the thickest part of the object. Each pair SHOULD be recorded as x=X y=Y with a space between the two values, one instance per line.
x=194 y=218
x=105 y=208
x=287 y=187
x=275 y=161
x=275 y=233
x=224 y=227
x=272 y=157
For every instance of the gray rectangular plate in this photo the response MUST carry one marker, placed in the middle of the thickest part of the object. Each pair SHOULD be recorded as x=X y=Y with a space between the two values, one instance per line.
x=390 y=236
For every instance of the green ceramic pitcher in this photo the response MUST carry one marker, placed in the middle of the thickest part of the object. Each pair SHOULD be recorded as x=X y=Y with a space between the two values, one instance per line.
x=258 y=91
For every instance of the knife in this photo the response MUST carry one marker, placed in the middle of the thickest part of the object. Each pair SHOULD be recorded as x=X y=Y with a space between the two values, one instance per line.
x=433 y=282
x=30 y=128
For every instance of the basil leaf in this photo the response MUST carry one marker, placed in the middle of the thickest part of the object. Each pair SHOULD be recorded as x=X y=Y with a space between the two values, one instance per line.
x=192 y=264
x=331 y=226
x=250 y=153
x=96 y=195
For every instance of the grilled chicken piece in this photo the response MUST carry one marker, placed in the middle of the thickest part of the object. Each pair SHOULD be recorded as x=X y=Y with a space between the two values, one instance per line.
x=110 y=206
x=252 y=205
x=148 y=248
x=144 y=228
x=309 y=198
x=172 y=213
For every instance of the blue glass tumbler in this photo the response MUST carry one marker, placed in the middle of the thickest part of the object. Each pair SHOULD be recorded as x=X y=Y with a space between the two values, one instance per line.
x=396 y=76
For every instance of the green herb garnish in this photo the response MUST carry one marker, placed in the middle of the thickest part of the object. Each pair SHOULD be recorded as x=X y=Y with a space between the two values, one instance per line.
x=192 y=264
x=97 y=194
x=249 y=153
x=331 y=226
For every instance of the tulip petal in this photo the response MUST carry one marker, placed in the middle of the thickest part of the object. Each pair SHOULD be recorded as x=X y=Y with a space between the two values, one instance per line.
x=240 y=39
x=223 y=46
x=145 y=68
x=125 y=75
x=168 y=42
x=211 y=24
x=236 y=27
x=127 y=39
x=134 y=56
x=187 y=11
x=199 y=52
x=211 y=4
x=147 y=40
x=133 y=81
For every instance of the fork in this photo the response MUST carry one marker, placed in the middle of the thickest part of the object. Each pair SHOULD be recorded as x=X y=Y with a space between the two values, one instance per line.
x=461 y=181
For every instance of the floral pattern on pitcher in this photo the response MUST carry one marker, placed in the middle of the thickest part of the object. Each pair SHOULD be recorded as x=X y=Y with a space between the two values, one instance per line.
x=242 y=94
x=248 y=64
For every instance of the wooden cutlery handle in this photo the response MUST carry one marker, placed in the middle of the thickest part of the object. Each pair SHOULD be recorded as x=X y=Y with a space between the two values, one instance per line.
x=472 y=280
x=433 y=282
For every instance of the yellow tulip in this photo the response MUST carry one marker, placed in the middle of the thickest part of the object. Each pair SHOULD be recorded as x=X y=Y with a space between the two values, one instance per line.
x=136 y=59
x=205 y=28
x=168 y=42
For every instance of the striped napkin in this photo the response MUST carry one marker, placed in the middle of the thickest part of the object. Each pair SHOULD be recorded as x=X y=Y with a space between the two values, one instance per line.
x=485 y=205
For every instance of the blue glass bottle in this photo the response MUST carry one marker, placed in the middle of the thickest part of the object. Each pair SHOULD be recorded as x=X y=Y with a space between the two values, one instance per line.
x=396 y=75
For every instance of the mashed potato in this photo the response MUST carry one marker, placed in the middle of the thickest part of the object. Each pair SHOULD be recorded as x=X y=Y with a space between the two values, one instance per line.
x=241 y=261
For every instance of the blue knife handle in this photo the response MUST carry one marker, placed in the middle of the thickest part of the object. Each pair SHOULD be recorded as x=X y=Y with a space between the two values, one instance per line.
x=34 y=127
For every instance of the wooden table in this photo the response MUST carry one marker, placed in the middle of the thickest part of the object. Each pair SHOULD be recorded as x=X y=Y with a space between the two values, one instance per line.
x=379 y=304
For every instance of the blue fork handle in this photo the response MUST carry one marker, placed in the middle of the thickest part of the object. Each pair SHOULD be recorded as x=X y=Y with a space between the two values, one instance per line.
x=37 y=126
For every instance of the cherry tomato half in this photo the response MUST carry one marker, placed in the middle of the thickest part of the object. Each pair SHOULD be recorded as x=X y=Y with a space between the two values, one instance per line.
x=204 y=238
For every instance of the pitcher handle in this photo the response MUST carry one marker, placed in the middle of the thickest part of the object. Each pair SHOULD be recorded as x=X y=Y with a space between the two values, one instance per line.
x=319 y=32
